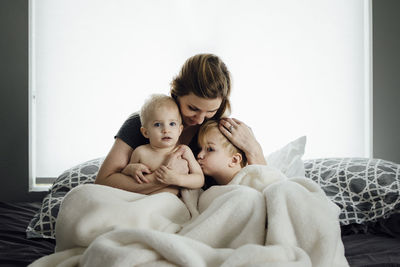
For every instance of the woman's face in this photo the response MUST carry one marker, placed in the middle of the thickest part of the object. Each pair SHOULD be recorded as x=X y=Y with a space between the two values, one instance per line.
x=195 y=110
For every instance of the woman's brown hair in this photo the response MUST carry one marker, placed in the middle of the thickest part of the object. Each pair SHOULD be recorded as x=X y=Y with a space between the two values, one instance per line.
x=206 y=76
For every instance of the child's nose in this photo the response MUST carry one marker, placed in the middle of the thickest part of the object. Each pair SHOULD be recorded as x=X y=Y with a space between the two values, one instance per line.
x=200 y=155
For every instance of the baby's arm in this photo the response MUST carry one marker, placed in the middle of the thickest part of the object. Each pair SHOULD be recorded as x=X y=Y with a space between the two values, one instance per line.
x=193 y=179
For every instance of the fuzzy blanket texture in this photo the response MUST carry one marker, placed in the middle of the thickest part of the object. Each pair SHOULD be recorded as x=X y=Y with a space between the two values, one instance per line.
x=261 y=218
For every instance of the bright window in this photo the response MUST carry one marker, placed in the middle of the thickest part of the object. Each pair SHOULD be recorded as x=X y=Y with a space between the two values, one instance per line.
x=298 y=68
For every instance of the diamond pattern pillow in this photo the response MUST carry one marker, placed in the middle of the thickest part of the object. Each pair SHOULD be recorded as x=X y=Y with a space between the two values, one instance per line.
x=43 y=223
x=365 y=189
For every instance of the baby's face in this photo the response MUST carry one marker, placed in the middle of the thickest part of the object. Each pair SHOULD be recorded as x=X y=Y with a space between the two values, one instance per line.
x=165 y=127
x=214 y=158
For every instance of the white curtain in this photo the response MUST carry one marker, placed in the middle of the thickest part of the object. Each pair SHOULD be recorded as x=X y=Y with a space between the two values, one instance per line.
x=298 y=68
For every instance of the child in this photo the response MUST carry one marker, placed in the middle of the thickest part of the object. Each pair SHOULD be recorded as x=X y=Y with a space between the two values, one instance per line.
x=162 y=125
x=218 y=157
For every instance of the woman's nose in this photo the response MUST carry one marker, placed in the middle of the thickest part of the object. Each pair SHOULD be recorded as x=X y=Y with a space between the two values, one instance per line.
x=200 y=118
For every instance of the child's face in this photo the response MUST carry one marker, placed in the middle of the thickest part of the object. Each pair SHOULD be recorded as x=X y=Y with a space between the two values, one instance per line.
x=214 y=158
x=164 y=128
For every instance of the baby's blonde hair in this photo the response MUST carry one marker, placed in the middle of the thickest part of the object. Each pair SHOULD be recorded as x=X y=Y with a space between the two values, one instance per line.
x=156 y=101
x=210 y=125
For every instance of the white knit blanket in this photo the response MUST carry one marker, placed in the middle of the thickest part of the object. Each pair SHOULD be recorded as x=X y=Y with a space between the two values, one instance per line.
x=260 y=219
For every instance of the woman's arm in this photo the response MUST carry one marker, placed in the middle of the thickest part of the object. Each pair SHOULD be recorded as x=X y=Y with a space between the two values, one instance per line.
x=110 y=172
x=242 y=137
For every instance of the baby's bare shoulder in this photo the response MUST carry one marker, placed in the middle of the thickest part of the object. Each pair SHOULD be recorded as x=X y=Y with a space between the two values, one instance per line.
x=141 y=150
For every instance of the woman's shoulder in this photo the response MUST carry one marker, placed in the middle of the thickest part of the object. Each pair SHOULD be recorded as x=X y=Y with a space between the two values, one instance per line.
x=130 y=131
x=132 y=120
x=135 y=116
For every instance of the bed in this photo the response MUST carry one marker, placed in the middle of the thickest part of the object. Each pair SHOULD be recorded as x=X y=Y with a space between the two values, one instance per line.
x=366 y=190
x=374 y=246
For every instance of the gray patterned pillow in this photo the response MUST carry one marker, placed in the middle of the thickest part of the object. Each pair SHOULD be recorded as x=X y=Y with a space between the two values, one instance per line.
x=43 y=223
x=365 y=189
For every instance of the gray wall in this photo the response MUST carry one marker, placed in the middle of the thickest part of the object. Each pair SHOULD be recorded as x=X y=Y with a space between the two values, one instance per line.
x=14 y=102
x=14 y=93
x=386 y=58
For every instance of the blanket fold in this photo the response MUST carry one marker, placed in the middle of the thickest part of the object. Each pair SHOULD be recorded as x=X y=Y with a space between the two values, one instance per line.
x=222 y=226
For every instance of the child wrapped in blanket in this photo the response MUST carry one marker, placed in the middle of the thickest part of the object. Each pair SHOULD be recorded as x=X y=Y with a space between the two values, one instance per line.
x=162 y=125
x=227 y=164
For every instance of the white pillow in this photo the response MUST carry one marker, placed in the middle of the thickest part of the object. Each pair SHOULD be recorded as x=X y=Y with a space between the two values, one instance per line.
x=288 y=158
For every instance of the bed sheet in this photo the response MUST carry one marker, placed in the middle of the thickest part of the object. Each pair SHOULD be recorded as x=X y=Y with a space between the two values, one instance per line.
x=15 y=249
x=372 y=250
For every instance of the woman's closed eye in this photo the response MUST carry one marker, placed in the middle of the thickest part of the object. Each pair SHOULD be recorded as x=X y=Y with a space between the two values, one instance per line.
x=193 y=108
x=196 y=109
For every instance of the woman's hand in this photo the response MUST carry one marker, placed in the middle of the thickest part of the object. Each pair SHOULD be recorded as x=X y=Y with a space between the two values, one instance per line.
x=137 y=171
x=242 y=137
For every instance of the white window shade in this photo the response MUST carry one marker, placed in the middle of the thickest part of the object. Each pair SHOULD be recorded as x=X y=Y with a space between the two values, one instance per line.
x=298 y=68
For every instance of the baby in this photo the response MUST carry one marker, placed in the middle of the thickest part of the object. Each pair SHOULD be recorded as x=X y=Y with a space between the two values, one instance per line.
x=218 y=157
x=162 y=125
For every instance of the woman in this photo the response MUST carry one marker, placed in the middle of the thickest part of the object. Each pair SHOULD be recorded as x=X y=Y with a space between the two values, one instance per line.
x=201 y=91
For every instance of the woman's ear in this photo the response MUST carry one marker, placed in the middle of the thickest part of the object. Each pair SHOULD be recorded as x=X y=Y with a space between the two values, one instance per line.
x=144 y=132
x=236 y=160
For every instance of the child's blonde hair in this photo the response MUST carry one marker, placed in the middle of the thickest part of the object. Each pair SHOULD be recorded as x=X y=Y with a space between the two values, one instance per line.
x=156 y=101
x=213 y=125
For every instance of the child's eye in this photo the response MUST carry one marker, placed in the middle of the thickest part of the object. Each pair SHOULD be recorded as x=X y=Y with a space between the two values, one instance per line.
x=210 y=149
x=172 y=123
x=157 y=124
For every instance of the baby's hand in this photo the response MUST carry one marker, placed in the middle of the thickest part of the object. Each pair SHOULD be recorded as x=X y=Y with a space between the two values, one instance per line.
x=137 y=171
x=175 y=161
x=166 y=176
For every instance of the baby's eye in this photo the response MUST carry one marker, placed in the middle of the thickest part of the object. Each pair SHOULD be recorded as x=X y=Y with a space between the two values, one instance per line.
x=210 y=149
x=157 y=124
x=172 y=123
